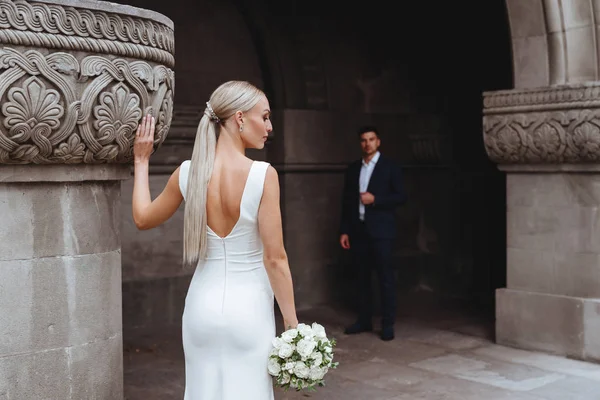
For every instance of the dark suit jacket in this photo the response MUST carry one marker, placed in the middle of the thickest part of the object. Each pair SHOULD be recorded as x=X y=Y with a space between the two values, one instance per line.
x=387 y=186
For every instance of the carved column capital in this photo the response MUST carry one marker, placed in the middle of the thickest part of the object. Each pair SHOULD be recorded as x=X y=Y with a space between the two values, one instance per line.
x=551 y=125
x=76 y=77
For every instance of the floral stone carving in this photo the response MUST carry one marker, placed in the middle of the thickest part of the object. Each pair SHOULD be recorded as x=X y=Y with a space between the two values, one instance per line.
x=543 y=126
x=80 y=107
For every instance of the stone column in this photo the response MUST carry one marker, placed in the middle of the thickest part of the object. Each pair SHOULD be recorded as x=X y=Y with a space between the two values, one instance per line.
x=548 y=142
x=76 y=77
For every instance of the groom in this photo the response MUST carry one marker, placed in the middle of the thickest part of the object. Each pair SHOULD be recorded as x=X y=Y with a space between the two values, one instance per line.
x=373 y=188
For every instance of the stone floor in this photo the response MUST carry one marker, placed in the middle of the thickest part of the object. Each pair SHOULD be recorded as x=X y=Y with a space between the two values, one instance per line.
x=439 y=355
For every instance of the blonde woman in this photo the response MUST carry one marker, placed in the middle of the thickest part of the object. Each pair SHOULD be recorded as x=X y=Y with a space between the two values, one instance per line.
x=233 y=241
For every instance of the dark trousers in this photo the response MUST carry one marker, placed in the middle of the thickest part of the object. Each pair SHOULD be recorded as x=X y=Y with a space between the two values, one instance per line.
x=373 y=254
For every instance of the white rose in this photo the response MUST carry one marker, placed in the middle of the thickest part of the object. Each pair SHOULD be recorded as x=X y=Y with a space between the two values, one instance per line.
x=305 y=347
x=328 y=349
x=301 y=370
x=285 y=378
x=289 y=366
x=319 y=331
x=289 y=335
x=318 y=357
x=316 y=373
x=274 y=367
x=286 y=350
x=277 y=342
x=305 y=330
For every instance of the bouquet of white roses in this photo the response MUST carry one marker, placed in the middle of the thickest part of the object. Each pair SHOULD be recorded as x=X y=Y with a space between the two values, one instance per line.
x=301 y=357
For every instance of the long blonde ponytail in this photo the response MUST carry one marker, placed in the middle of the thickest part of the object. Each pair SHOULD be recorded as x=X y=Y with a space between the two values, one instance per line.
x=225 y=101
x=194 y=222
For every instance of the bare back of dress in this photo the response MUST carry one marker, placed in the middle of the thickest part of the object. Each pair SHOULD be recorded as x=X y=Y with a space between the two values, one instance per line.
x=228 y=320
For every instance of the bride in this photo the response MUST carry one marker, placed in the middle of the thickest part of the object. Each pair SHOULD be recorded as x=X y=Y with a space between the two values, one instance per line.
x=232 y=241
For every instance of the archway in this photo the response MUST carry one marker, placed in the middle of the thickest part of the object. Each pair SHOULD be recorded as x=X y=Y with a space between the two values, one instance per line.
x=346 y=71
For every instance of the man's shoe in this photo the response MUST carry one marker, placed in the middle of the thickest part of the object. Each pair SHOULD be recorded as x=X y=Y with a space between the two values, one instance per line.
x=387 y=333
x=357 y=327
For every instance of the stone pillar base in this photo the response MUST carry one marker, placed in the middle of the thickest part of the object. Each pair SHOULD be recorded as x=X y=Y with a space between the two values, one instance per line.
x=60 y=286
x=548 y=142
x=562 y=325
x=552 y=299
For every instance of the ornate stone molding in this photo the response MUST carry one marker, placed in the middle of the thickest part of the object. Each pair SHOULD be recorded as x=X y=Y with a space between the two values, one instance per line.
x=56 y=109
x=55 y=26
x=553 y=125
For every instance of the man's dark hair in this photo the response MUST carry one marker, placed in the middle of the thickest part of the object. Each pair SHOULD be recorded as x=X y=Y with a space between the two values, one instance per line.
x=367 y=128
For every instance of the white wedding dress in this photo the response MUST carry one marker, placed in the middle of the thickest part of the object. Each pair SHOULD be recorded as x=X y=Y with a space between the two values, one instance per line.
x=228 y=320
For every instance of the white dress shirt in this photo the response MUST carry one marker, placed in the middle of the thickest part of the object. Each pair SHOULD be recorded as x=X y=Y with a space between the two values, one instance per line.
x=366 y=170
